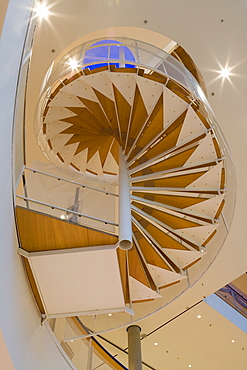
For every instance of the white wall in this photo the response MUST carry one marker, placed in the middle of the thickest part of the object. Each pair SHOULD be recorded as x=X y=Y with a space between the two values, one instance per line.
x=29 y=344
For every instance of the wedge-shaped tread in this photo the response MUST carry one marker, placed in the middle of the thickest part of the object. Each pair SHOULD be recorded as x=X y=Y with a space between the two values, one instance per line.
x=171 y=200
x=136 y=267
x=164 y=278
x=149 y=252
x=160 y=235
x=140 y=292
x=123 y=267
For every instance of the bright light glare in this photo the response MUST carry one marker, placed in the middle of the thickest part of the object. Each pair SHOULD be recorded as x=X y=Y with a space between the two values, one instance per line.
x=42 y=11
x=73 y=64
x=62 y=217
x=233 y=341
x=225 y=72
x=156 y=343
x=109 y=314
x=198 y=316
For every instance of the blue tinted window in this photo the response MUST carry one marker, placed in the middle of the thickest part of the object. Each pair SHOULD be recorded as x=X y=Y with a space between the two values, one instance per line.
x=115 y=52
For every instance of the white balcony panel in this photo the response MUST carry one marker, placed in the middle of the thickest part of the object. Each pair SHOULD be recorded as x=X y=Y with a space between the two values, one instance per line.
x=79 y=280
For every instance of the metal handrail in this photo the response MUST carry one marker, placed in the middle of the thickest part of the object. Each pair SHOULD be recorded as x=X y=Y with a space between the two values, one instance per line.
x=70 y=181
x=66 y=210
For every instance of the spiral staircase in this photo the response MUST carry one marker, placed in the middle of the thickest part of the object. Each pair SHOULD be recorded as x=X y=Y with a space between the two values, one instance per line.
x=155 y=138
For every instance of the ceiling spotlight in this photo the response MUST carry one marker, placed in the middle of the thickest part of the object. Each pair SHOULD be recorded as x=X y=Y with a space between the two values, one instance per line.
x=233 y=340
x=72 y=341
x=109 y=314
x=41 y=10
x=189 y=365
x=156 y=343
x=225 y=72
x=62 y=217
x=198 y=316
x=73 y=64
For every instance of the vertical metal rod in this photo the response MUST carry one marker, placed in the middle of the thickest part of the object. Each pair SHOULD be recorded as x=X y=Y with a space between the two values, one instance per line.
x=25 y=188
x=125 y=227
x=134 y=347
x=75 y=206
x=90 y=356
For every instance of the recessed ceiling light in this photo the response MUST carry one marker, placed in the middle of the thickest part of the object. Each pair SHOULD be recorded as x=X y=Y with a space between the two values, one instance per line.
x=73 y=64
x=189 y=365
x=199 y=316
x=72 y=341
x=156 y=343
x=41 y=10
x=225 y=72
x=233 y=340
x=109 y=314
x=62 y=217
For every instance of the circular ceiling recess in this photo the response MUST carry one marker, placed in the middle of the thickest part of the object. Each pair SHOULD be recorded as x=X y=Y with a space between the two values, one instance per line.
x=134 y=114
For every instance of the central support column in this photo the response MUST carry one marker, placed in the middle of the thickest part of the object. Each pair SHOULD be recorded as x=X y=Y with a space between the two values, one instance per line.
x=125 y=228
x=134 y=347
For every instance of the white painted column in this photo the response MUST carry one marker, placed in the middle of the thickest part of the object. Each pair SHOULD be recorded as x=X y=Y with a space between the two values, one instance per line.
x=134 y=347
x=125 y=228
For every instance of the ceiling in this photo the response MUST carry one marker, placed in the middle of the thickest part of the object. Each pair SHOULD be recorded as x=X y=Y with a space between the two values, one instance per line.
x=204 y=343
x=214 y=34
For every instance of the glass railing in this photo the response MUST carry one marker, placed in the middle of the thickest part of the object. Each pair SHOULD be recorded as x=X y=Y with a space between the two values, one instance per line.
x=83 y=350
x=83 y=353
x=132 y=54
x=69 y=199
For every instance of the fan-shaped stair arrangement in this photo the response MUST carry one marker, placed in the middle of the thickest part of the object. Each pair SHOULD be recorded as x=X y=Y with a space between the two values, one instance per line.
x=175 y=168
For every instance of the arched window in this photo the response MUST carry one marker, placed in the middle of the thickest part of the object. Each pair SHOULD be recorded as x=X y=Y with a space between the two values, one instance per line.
x=118 y=53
